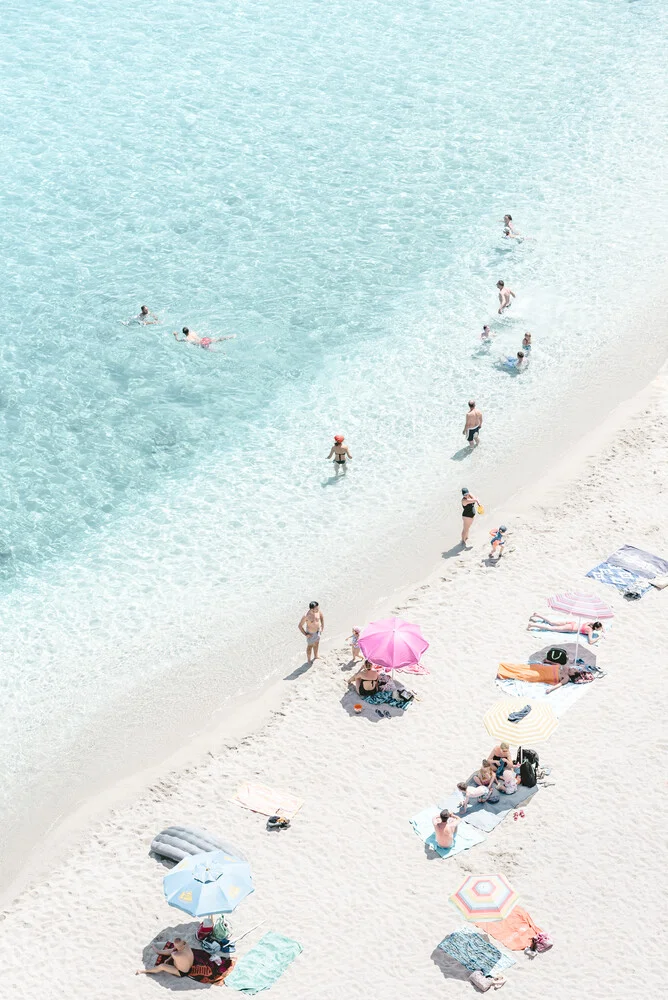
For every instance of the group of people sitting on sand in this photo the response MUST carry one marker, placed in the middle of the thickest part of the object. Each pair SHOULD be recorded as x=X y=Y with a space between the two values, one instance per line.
x=497 y=773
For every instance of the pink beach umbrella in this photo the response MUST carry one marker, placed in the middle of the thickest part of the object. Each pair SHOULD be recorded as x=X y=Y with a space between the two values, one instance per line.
x=394 y=644
x=583 y=607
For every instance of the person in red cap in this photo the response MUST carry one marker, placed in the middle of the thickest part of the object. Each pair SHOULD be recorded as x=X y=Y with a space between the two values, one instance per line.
x=339 y=452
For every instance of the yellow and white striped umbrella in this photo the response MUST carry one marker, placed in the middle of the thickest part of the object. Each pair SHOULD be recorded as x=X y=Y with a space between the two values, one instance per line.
x=536 y=727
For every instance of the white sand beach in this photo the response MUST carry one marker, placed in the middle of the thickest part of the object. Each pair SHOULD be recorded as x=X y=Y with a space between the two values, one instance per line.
x=350 y=880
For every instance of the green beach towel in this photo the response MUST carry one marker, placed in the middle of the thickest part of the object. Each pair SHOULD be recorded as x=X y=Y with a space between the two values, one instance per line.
x=264 y=964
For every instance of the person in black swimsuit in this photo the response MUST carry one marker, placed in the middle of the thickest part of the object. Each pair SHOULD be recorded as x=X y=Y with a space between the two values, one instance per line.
x=468 y=512
x=366 y=680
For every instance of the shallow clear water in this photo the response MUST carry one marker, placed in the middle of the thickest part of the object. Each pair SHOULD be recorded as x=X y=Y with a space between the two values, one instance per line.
x=327 y=181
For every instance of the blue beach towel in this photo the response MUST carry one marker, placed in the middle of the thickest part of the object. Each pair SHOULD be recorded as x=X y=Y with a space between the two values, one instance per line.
x=620 y=578
x=264 y=964
x=473 y=951
x=486 y=816
x=465 y=836
x=385 y=698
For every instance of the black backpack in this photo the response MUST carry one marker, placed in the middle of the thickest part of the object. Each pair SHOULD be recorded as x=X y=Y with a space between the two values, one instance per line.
x=528 y=774
x=527 y=754
x=556 y=655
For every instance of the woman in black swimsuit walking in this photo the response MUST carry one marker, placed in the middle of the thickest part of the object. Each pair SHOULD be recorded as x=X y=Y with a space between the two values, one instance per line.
x=469 y=503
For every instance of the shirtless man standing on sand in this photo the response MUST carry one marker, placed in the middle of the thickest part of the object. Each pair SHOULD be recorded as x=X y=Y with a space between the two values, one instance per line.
x=312 y=625
x=473 y=424
x=504 y=296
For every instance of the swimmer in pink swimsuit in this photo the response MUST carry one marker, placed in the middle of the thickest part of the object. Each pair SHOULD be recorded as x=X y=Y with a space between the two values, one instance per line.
x=190 y=337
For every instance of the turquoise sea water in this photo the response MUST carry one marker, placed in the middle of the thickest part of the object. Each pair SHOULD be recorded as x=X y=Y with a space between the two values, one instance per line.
x=325 y=180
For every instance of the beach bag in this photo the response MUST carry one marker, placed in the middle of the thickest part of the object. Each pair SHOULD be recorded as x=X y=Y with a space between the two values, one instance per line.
x=205 y=929
x=527 y=754
x=481 y=981
x=480 y=508
x=556 y=655
x=221 y=930
x=542 y=942
x=528 y=774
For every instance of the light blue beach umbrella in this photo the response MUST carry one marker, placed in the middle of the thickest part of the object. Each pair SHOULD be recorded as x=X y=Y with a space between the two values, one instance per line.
x=211 y=882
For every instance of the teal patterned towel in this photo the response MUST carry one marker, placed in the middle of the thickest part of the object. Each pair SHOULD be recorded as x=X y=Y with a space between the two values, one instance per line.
x=264 y=964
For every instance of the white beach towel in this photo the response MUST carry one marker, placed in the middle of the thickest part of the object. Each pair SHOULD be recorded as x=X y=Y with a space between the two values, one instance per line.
x=268 y=801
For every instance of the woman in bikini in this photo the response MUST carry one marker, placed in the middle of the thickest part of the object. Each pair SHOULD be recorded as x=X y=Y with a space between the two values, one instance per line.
x=339 y=452
x=591 y=630
x=312 y=625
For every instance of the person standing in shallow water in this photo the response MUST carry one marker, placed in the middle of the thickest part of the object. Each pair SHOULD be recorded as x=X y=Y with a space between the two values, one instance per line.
x=472 y=424
x=312 y=625
x=339 y=452
x=505 y=295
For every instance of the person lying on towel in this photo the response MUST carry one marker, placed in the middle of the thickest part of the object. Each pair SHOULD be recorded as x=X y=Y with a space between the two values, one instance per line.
x=591 y=630
x=544 y=673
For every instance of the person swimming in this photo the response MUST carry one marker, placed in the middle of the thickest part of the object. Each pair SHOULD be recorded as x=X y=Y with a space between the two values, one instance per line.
x=526 y=343
x=190 y=337
x=144 y=317
x=520 y=362
x=486 y=335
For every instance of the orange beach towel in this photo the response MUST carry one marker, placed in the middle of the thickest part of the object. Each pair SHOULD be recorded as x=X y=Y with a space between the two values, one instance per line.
x=517 y=931
x=545 y=673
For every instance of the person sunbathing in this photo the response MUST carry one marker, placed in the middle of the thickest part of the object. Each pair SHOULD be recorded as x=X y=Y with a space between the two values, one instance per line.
x=480 y=786
x=591 y=630
x=445 y=827
x=571 y=675
x=366 y=680
x=179 y=960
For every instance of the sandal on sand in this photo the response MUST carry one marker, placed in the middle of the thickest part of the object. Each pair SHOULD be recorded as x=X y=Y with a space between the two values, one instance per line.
x=516 y=816
x=378 y=712
x=522 y=813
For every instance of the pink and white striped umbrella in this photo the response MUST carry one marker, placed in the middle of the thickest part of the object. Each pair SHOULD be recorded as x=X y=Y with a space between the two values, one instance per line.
x=394 y=644
x=581 y=605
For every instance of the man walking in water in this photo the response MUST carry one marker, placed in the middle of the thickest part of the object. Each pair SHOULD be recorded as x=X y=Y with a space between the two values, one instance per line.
x=473 y=424
x=504 y=296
